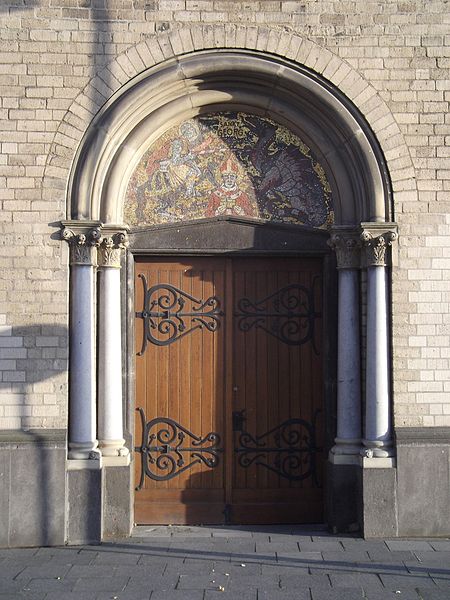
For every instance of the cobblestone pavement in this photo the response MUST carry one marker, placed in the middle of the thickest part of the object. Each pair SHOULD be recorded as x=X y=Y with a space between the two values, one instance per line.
x=221 y=563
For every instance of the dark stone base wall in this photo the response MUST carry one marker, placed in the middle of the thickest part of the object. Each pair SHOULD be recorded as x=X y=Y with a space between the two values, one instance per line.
x=423 y=474
x=117 y=502
x=32 y=488
x=342 y=498
x=84 y=506
x=42 y=504
x=410 y=500
x=378 y=498
x=99 y=504
x=362 y=500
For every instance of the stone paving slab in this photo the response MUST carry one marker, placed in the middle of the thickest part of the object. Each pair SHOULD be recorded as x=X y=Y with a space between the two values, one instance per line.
x=284 y=594
x=388 y=595
x=356 y=580
x=429 y=594
x=420 y=545
x=79 y=596
x=46 y=584
x=402 y=582
x=395 y=556
x=132 y=595
x=231 y=595
x=348 y=594
x=434 y=557
x=23 y=595
x=214 y=563
x=177 y=595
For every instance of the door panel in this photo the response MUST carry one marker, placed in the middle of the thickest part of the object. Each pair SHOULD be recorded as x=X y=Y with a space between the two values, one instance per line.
x=277 y=383
x=229 y=390
x=179 y=373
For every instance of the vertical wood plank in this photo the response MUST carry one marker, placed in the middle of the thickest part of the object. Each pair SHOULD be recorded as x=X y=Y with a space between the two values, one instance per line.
x=229 y=380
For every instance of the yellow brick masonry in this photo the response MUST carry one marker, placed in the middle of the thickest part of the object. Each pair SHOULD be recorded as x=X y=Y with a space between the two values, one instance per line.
x=62 y=59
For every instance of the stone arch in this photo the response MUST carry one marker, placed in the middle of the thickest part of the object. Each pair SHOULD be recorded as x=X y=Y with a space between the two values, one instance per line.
x=274 y=73
x=172 y=52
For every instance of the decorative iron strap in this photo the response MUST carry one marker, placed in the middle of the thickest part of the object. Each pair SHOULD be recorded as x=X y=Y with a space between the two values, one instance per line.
x=165 y=310
x=288 y=314
x=289 y=450
x=164 y=454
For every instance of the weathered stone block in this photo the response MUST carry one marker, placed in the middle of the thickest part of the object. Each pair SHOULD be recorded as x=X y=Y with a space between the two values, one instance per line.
x=117 y=501
x=423 y=460
x=84 y=506
x=32 y=488
x=378 y=515
x=342 y=497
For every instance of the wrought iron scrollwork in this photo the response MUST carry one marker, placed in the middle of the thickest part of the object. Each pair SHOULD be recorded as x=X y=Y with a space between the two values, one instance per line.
x=167 y=309
x=288 y=314
x=164 y=453
x=289 y=450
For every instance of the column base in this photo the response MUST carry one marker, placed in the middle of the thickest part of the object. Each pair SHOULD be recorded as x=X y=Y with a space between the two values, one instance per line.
x=344 y=459
x=83 y=451
x=346 y=446
x=377 y=449
x=113 y=447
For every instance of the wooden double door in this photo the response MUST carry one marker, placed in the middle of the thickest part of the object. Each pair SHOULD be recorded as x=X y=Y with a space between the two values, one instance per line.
x=229 y=393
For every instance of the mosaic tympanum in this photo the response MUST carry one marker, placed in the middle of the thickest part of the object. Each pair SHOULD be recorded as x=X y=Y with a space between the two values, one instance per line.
x=228 y=163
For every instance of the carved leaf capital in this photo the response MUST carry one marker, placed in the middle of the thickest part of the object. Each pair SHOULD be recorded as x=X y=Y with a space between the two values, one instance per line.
x=82 y=244
x=347 y=248
x=110 y=248
x=375 y=245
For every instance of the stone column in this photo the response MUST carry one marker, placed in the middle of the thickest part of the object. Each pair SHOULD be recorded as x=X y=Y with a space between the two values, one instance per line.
x=110 y=406
x=376 y=239
x=346 y=244
x=83 y=238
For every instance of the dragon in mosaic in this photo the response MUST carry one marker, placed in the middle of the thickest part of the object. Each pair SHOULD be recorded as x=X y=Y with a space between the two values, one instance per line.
x=288 y=175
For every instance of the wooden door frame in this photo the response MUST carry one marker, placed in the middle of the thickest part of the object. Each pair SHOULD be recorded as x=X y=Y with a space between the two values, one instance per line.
x=231 y=236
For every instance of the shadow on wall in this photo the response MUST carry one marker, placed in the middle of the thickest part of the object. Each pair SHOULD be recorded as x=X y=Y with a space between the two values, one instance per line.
x=33 y=369
x=15 y=6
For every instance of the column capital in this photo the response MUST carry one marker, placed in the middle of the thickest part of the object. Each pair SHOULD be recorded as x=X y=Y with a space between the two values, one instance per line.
x=346 y=243
x=112 y=242
x=376 y=239
x=83 y=238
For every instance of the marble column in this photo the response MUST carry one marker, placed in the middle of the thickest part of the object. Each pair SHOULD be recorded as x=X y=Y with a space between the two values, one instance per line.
x=110 y=406
x=83 y=238
x=346 y=244
x=376 y=239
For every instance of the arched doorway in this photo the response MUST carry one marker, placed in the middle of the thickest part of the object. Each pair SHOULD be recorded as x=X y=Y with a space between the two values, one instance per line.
x=229 y=360
x=262 y=87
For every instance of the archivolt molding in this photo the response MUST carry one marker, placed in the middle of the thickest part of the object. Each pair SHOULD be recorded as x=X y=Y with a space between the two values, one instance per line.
x=261 y=68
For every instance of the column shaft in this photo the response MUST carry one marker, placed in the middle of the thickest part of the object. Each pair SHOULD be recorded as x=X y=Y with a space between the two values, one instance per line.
x=110 y=421
x=348 y=438
x=346 y=243
x=82 y=413
x=378 y=419
x=377 y=238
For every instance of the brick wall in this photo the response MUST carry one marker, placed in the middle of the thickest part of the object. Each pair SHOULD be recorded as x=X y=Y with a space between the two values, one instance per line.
x=391 y=57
